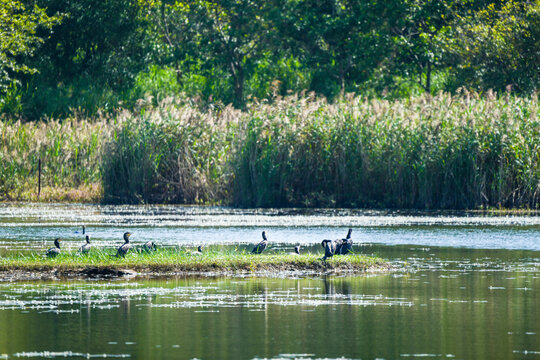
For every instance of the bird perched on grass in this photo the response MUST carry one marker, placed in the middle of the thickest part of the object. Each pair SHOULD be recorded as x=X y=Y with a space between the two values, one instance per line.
x=344 y=246
x=149 y=246
x=329 y=249
x=123 y=250
x=52 y=252
x=296 y=250
x=195 y=252
x=198 y=252
x=85 y=249
x=259 y=248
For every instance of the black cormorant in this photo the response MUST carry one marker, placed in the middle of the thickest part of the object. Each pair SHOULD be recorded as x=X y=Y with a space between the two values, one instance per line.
x=85 y=249
x=52 y=252
x=329 y=249
x=199 y=250
x=344 y=246
x=123 y=250
x=296 y=250
x=259 y=248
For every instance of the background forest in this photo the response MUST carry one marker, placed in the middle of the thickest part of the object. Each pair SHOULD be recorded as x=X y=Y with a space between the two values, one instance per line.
x=58 y=57
x=380 y=103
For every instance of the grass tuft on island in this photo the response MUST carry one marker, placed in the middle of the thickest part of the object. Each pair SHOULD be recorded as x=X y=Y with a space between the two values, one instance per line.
x=169 y=261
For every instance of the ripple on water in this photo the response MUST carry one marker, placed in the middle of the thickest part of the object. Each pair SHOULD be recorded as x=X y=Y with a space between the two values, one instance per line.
x=302 y=357
x=171 y=225
x=65 y=354
x=209 y=298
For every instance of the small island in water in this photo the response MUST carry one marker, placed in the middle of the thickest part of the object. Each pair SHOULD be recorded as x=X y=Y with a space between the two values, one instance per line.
x=171 y=261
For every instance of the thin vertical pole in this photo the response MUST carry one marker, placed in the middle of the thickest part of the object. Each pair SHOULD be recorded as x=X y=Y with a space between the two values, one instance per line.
x=39 y=178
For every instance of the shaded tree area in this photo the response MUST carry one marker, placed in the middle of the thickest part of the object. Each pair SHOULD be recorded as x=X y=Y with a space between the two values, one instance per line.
x=63 y=56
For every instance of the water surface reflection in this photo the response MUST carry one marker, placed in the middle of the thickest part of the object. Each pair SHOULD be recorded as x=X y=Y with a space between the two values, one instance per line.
x=439 y=308
x=468 y=288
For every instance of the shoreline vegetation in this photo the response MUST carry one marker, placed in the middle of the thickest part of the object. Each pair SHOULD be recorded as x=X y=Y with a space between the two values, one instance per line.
x=100 y=263
x=464 y=151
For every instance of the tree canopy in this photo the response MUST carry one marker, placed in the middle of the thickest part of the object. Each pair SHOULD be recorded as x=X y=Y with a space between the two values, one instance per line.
x=94 y=55
x=19 y=25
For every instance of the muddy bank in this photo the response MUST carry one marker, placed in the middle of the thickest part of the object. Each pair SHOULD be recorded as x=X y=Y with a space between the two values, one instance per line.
x=113 y=272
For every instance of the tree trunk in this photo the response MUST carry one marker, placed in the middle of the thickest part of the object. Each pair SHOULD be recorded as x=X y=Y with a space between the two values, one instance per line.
x=238 y=76
x=428 y=77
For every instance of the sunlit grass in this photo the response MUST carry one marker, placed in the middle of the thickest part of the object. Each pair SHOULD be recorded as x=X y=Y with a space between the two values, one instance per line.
x=467 y=151
x=181 y=260
x=70 y=153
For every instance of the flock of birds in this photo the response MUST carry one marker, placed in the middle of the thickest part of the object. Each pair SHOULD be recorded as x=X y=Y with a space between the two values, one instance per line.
x=331 y=247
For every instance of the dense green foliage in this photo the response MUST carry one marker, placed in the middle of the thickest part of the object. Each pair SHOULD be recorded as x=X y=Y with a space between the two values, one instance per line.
x=396 y=140
x=18 y=37
x=442 y=152
x=496 y=46
x=101 y=55
x=169 y=154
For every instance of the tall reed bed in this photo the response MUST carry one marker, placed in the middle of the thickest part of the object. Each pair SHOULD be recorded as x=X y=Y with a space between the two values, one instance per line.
x=172 y=153
x=442 y=152
x=70 y=153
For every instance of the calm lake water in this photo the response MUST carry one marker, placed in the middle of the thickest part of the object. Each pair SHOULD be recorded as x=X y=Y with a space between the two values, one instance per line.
x=468 y=287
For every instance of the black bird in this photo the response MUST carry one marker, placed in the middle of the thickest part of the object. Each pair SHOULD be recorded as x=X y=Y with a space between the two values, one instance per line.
x=343 y=246
x=296 y=250
x=259 y=248
x=149 y=246
x=338 y=244
x=199 y=251
x=52 y=252
x=123 y=250
x=83 y=230
x=346 y=244
x=329 y=249
x=85 y=249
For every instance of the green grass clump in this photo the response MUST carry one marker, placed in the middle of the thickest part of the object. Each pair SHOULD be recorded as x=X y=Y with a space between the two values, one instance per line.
x=173 y=260
x=169 y=154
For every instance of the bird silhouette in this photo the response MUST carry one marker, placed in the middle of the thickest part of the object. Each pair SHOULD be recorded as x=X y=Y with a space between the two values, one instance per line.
x=329 y=249
x=259 y=248
x=85 y=248
x=54 y=251
x=123 y=250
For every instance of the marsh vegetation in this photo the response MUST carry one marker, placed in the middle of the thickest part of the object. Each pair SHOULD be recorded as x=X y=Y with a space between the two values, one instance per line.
x=444 y=152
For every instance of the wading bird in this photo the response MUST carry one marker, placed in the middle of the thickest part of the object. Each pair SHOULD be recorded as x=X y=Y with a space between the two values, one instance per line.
x=52 y=252
x=123 y=250
x=259 y=248
x=85 y=249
